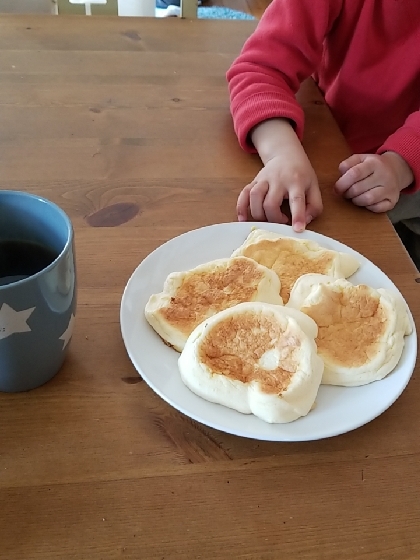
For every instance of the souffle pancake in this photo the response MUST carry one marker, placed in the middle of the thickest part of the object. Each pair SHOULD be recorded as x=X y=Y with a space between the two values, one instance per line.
x=361 y=330
x=191 y=296
x=255 y=358
x=292 y=257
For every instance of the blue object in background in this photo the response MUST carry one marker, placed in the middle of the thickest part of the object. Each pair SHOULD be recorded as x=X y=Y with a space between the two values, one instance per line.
x=211 y=12
x=216 y=12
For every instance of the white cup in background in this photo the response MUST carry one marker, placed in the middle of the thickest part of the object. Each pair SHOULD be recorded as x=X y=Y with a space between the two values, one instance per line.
x=145 y=8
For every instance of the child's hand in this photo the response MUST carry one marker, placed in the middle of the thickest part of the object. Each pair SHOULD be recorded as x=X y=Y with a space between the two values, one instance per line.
x=374 y=181
x=287 y=174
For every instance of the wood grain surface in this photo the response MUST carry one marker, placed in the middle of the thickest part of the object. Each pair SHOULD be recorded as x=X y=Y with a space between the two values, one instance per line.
x=125 y=124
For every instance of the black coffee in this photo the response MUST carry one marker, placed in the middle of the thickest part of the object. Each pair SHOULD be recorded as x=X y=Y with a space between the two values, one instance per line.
x=20 y=259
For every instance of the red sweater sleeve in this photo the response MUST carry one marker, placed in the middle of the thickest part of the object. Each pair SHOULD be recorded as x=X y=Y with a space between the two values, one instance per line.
x=284 y=50
x=406 y=142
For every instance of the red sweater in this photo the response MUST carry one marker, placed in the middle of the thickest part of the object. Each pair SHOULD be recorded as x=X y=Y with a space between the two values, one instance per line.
x=365 y=57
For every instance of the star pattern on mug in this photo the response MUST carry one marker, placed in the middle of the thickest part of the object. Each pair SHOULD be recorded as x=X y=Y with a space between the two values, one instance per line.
x=12 y=322
x=66 y=336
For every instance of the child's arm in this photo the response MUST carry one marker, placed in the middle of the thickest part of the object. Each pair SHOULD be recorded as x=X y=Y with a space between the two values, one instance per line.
x=285 y=49
x=287 y=174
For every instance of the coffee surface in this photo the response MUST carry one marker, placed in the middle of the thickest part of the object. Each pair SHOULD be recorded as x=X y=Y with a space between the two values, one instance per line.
x=21 y=259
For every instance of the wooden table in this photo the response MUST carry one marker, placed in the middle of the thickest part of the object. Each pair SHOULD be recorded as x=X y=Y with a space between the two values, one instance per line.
x=125 y=124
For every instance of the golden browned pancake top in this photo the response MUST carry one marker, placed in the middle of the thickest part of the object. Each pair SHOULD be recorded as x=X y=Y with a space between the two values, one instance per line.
x=235 y=345
x=289 y=260
x=205 y=293
x=350 y=324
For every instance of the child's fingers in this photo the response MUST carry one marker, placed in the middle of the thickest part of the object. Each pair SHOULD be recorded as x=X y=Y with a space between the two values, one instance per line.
x=314 y=204
x=272 y=206
x=361 y=187
x=354 y=175
x=297 y=203
x=370 y=197
x=256 y=200
x=242 y=204
x=384 y=206
x=350 y=162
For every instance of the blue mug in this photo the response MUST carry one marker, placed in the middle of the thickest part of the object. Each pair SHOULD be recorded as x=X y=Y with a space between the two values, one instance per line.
x=37 y=290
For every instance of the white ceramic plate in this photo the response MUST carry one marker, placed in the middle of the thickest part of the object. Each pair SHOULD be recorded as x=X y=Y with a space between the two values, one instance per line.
x=338 y=409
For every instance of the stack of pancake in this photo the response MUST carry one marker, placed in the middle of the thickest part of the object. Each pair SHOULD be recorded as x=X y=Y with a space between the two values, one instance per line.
x=260 y=331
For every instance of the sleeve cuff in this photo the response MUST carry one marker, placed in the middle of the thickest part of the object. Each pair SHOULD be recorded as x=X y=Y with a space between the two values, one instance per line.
x=261 y=107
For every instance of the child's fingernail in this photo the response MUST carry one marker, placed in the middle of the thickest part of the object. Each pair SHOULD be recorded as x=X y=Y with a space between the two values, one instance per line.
x=299 y=227
x=309 y=220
